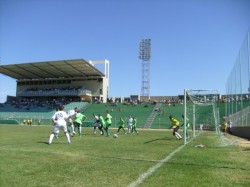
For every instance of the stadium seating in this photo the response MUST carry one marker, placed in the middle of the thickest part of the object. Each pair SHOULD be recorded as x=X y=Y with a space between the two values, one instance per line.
x=142 y=112
x=38 y=116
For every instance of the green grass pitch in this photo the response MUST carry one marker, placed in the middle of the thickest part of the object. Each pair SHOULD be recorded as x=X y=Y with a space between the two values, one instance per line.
x=27 y=160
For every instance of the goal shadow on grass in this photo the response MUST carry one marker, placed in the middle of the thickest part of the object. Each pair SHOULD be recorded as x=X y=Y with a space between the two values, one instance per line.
x=159 y=139
x=207 y=165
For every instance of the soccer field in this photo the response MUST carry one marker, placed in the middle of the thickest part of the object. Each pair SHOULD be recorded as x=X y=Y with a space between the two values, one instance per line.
x=152 y=158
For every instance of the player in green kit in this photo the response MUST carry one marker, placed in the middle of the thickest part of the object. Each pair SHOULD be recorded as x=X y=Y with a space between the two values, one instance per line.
x=108 y=123
x=79 y=118
x=187 y=125
x=121 y=125
x=102 y=122
x=134 y=123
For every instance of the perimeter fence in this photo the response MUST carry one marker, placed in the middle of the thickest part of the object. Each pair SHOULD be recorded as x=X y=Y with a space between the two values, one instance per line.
x=238 y=88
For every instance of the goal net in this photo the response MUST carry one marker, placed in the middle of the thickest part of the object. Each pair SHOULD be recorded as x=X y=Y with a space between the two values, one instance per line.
x=200 y=107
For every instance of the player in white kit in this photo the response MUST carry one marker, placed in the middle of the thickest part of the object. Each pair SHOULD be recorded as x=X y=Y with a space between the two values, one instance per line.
x=129 y=122
x=60 y=121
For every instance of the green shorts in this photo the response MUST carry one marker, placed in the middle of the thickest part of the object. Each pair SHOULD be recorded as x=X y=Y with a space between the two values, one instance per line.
x=108 y=125
x=77 y=124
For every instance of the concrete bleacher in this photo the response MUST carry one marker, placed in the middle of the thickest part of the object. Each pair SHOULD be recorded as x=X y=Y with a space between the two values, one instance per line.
x=141 y=112
x=161 y=119
x=10 y=112
x=20 y=108
x=80 y=105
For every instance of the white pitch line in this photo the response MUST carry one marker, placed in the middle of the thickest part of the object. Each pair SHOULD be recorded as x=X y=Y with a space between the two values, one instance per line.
x=154 y=168
x=157 y=166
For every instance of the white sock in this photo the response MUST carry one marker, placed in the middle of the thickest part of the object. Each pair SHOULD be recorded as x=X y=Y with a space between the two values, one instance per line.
x=73 y=128
x=51 y=138
x=80 y=130
x=179 y=136
x=68 y=138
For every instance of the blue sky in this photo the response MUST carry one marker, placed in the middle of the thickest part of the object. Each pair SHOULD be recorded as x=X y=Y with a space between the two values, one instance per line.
x=194 y=43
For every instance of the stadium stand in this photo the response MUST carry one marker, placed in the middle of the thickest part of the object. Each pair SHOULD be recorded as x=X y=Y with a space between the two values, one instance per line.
x=38 y=117
x=41 y=91
x=71 y=80
x=43 y=86
x=152 y=116
x=140 y=111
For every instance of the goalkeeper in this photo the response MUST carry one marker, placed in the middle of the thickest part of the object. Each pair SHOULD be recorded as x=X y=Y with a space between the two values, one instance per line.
x=175 y=126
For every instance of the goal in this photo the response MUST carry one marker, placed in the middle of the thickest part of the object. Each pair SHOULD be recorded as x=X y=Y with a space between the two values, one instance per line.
x=200 y=107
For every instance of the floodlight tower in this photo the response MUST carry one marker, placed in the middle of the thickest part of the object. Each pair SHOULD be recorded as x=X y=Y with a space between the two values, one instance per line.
x=144 y=55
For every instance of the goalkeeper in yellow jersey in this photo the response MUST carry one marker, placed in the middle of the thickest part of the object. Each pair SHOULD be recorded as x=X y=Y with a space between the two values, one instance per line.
x=175 y=126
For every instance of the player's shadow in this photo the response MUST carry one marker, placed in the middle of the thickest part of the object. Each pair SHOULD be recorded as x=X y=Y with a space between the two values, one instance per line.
x=158 y=139
x=52 y=143
x=43 y=142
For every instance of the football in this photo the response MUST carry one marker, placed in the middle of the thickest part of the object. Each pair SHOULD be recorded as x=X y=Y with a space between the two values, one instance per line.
x=115 y=136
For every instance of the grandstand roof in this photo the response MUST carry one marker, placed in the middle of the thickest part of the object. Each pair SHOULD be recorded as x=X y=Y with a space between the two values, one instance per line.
x=51 y=69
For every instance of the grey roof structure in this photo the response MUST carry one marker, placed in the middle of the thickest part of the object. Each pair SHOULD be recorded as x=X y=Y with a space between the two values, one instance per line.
x=51 y=69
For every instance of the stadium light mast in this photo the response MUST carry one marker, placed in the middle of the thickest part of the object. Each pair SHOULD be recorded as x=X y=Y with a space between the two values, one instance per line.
x=145 y=55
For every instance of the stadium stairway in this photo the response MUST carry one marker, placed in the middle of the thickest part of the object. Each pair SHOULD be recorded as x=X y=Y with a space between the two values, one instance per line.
x=151 y=117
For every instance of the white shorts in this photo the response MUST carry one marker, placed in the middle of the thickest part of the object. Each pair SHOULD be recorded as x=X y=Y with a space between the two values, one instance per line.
x=97 y=125
x=58 y=126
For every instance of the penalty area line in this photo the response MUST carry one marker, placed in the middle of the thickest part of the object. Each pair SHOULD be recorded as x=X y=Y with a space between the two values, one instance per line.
x=154 y=168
